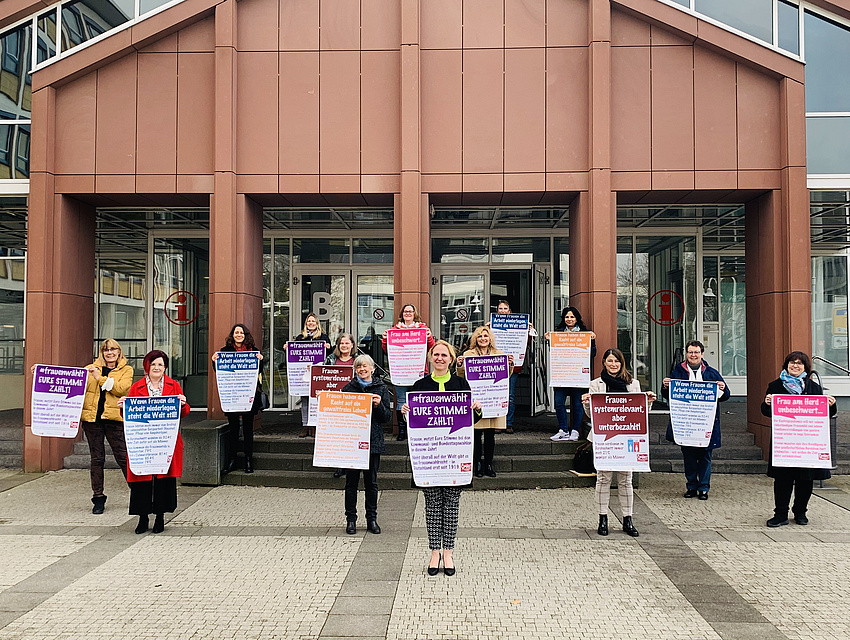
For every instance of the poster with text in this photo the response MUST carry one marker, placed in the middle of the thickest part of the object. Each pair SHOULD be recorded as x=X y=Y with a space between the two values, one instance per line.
x=488 y=379
x=693 y=407
x=439 y=436
x=236 y=374
x=343 y=430
x=511 y=333
x=300 y=356
x=325 y=377
x=406 y=350
x=150 y=430
x=57 y=400
x=620 y=431
x=800 y=435
x=569 y=359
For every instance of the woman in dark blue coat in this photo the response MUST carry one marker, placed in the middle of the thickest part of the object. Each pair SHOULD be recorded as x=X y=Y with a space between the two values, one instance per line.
x=697 y=459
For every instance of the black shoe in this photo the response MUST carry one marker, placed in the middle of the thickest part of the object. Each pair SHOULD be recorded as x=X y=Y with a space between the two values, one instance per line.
x=509 y=430
x=629 y=528
x=489 y=471
x=372 y=527
x=249 y=464
x=602 y=529
x=230 y=466
x=776 y=521
x=449 y=571
x=402 y=426
x=351 y=527
x=159 y=523
x=801 y=519
x=479 y=469
x=690 y=493
x=703 y=495
x=143 y=524
x=339 y=473
x=432 y=571
x=98 y=502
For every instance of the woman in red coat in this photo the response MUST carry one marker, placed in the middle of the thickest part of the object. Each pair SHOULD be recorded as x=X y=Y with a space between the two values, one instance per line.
x=156 y=494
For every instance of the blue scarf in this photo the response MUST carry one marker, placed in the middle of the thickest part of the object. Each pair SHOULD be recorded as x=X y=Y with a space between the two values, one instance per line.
x=363 y=384
x=792 y=385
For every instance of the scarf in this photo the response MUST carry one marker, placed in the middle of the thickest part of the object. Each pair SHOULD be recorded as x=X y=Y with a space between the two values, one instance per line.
x=792 y=385
x=613 y=384
x=694 y=374
x=363 y=383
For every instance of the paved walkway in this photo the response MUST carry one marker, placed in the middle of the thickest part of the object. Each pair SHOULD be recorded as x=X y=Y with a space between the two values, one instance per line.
x=246 y=562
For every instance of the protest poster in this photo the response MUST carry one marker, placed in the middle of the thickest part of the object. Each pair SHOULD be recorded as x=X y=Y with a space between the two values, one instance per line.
x=406 y=350
x=800 y=436
x=236 y=374
x=620 y=431
x=510 y=331
x=150 y=430
x=488 y=378
x=439 y=436
x=343 y=430
x=57 y=400
x=325 y=377
x=300 y=356
x=569 y=359
x=693 y=407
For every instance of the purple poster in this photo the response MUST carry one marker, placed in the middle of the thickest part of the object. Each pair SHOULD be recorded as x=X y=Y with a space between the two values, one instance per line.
x=488 y=378
x=300 y=356
x=439 y=436
x=57 y=400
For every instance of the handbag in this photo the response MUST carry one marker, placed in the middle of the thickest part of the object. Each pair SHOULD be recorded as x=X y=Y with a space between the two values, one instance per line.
x=583 y=459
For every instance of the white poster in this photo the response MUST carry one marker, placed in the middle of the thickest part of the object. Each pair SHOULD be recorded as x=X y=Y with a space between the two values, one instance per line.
x=510 y=331
x=569 y=359
x=406 y=350
x=800 y=436
x=620 y=431
x=439 y=436
x=488 y=378
x=343 y=430
x=300 y=356
x=693 y=407
x=57 y=400
x=150 y=430
x=325 y=377
x=236 y=374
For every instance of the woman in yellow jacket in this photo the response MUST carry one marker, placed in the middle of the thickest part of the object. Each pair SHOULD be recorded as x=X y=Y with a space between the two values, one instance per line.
x=110 y=378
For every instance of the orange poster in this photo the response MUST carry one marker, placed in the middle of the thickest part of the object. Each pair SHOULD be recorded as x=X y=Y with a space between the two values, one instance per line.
x=343 y=430
x=569 y=359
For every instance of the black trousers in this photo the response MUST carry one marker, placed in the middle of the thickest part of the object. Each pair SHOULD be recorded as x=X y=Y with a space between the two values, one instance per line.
x=247 y=421
x=782 y=488
x=489 y=447
x=158 y=495
x=114 y=433
x=370 y=479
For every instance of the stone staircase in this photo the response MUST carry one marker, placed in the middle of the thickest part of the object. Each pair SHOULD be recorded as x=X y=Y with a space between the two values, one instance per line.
x=11 y=438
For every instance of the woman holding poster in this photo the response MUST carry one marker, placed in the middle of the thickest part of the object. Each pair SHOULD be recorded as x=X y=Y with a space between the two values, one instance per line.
x=570 y=429
x=240 y=339
x=343 y=355
x=365 y=381
x=109 y=380
x=483 y=344
x=408 y=319
x=312 y=331
x=793 y=380
x=442 y=504
x=156 y=493
x=615 y=378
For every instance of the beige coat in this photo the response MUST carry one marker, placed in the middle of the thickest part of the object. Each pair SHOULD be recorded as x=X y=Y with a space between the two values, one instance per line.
x=123 y=376
x=486 y=423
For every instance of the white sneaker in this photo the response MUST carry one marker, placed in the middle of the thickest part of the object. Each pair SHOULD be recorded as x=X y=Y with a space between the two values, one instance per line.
x=573 y=436
x=561 y=435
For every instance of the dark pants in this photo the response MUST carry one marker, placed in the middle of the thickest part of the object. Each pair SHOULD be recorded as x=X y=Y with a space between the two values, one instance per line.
x=489 y=447
x=114 y=433
x=782 y=489
x=247 y=420
x=511 y=394
x=158 y=495
x=370 y=479
x=697 y=467
x=576 y=408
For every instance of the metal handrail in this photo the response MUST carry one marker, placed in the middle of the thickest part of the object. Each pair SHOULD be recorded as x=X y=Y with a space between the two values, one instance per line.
x=832 y=364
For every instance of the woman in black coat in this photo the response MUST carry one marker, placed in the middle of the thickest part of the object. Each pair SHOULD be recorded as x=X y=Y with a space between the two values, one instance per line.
x=793 y=380
x=366 y=382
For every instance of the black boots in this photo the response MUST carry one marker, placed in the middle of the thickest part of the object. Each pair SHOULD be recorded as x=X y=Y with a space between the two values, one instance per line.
x=489 y=471
x=351 y=527
x=230 y=465
x=479 y=469
x=143 y=524
x=629 y=528
x=402 y=426
x=602 y=529
x=372 y=527
x=159 y=523
x=98 y=502
x=249 y=464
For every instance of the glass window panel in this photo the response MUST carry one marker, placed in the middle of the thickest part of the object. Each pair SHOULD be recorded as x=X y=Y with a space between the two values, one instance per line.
x=789 y=27
x=278 y=304
x=710 y=290
x=46 y=36
x=733 y=317
x=373 y=251
x=754 y=17
x=86 y=19
x=561 y=289
x=11 y=316
x=15 y=82
x=827 y=150
x=150 y=5
x=463 y=307
x=375 y=296
x=22 y=152
x=520 y=249
x=827 y=73
x=829 y=312
x=321 y=250
x=625 y=298
x=459 y=250
x=325 y=295
x=6 y=149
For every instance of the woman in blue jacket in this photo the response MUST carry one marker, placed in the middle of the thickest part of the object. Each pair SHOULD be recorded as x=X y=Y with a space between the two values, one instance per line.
x=697 y=459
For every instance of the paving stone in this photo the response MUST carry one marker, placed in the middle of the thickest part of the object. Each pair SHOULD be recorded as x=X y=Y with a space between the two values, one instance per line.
x=361 y=625
x=368 y=605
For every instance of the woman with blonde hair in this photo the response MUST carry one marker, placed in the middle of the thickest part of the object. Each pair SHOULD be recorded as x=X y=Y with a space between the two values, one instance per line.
x=312 y=331
x=483 y=343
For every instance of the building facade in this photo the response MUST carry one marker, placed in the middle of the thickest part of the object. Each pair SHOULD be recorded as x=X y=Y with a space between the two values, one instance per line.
x=172 y=168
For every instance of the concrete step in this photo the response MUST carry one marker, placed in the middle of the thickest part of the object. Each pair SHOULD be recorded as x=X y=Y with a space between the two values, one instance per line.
x=11 y=461
x=717 y=466
x=11 y=447
x=671 y=451
x=733 y=439
x=12 y=433
x=78 y=461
